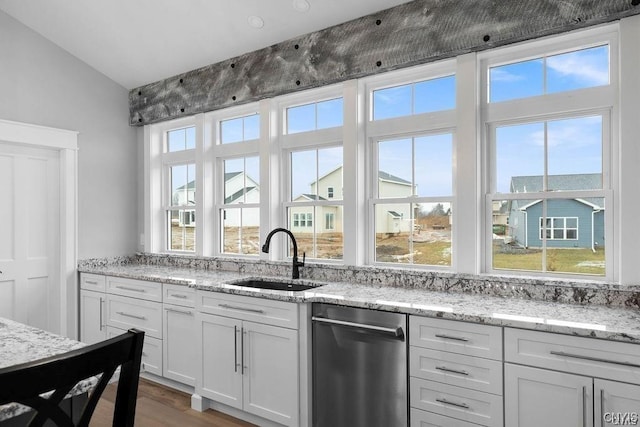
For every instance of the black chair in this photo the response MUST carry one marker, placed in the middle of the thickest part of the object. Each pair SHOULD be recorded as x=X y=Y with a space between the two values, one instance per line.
x=25 y=383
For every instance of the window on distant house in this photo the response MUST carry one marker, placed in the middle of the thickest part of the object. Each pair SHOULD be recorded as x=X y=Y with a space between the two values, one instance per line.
x=552 y=228
x=330 y=192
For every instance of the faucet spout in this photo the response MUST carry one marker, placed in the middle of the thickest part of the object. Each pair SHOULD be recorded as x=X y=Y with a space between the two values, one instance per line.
x=295 y=273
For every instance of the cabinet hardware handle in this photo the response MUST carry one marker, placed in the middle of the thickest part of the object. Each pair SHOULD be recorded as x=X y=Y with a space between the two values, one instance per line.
x=455 y=371
x=594 y=359
x=175 y=310
x=396 y=332
x=448 y=402
x=450 y=337
x=135 y=316
x=235 y=348
x=584 y=406
x=127 y=288
x=601 y=407
x=178 y=296
x=242 y=334
x=101 y=302
x=233 y=307
x=91 y=282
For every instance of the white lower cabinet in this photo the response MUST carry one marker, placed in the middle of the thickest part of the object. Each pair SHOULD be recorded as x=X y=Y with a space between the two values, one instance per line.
x=92 y=326
x=600 y=385
x=179 y=347
x=455 y=373
x=247 y=365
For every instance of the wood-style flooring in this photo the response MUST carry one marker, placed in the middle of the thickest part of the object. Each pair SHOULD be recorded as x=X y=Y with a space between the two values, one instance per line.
x=160 y=406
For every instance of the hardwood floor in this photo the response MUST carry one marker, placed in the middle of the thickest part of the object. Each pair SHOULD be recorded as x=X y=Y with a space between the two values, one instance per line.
x=160 y=406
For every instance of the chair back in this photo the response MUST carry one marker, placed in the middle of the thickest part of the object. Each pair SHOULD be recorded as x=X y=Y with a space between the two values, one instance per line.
x=29 y=383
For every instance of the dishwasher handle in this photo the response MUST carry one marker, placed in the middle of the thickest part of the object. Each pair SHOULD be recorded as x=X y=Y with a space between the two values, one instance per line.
x=395 y=332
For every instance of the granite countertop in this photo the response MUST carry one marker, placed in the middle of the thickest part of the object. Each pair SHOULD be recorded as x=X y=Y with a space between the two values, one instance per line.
x=20 y=343
x=588 y=320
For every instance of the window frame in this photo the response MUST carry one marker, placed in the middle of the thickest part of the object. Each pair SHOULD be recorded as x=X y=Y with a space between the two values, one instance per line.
x=599 y=100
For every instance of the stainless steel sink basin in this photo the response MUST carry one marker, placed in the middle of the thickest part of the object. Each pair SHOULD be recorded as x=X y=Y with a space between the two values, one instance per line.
x=270 y=284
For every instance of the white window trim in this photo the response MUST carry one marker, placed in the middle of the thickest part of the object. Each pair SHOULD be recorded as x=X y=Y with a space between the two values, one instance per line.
x=600 y=100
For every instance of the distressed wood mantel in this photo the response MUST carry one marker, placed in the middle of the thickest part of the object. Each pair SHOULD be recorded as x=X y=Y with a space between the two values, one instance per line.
x=413 y=33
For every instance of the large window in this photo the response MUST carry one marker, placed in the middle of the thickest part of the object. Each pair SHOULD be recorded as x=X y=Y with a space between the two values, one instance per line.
x=549 y=178
x=509 y=161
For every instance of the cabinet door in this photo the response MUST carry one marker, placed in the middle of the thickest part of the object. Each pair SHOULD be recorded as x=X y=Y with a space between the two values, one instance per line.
x=179 y=344
x=616 y=403
x=92 y=327
x=270 y=358
x=221 y=363
x=537 y=397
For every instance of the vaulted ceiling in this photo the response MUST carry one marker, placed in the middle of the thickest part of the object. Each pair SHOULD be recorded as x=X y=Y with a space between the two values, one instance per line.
x=135 y=42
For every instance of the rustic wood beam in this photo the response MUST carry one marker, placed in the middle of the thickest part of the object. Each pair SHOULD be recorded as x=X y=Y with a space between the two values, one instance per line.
x=413 y=33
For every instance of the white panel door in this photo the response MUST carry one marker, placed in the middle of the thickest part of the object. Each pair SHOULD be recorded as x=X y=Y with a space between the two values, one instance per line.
x=29 y=236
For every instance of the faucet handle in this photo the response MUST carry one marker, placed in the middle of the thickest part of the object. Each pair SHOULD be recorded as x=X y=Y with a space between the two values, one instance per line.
x=304 y=256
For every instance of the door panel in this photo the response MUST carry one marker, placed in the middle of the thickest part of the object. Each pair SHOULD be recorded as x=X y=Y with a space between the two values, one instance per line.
x=29 y=236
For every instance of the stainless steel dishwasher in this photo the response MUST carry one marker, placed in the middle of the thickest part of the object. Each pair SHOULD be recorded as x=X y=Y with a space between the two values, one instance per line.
x=359 y=367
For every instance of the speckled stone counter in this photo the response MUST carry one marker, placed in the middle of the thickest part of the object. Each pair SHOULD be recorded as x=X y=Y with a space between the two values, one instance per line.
x=515 y=304
x=20 y=343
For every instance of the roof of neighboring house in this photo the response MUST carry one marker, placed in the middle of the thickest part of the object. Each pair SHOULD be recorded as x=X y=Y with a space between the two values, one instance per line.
x=229 y=175
x=395 y=214
x=584 y=181
x=189 y=186
x=381 y=175
x=238 y=194
x=311 y=197
x=569 y=182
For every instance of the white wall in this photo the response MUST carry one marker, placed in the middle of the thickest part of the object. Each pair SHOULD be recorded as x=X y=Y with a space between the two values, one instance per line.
x=42 y=84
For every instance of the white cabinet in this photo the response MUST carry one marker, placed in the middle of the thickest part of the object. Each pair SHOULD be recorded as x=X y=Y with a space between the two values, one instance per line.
x=537 y=397
x=92 y=327
x=179 y=335
x=583 y=395
x=92 y=306
x=455 y=373
x=248 y=364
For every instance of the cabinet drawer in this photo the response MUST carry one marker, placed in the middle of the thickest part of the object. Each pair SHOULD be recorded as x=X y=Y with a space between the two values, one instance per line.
x=125 y=313
x=179 y=295
x=456 y=369
x=429 y=419
x=456 y=402
x=583 y=356
x=151 y=352
x=456 y=337
x=151 y=291
x=277 y=313
x=92 y=282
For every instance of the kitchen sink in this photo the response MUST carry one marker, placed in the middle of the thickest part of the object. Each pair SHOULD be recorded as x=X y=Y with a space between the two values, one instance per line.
x=273 y=285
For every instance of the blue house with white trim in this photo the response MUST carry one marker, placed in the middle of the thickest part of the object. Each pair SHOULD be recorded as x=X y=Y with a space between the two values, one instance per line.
x=570 y=223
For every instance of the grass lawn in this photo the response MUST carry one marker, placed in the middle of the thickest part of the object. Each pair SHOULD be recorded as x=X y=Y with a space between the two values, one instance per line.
x=570 y=260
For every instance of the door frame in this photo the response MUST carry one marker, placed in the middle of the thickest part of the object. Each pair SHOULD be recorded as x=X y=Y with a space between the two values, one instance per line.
x=66 y=143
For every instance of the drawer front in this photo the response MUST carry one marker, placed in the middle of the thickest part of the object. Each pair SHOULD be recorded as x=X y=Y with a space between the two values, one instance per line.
x=456 y=402
x=429 y=419
x=456 y=369
x=583 y=356
x=151 y=291
x=92 y=282
x=456 y=337
x=125 y=313
x=179 y=295
x=259 y=310
x=151 y=352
